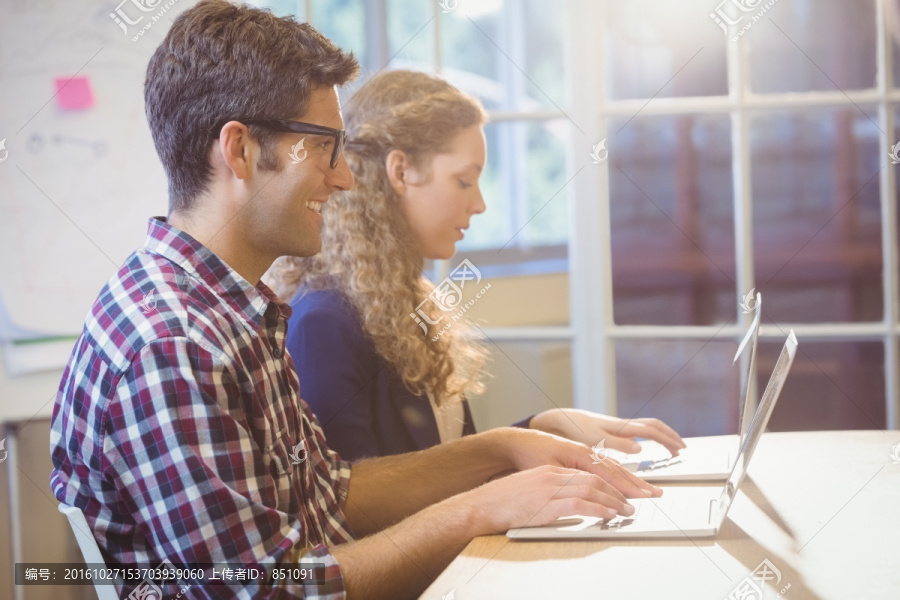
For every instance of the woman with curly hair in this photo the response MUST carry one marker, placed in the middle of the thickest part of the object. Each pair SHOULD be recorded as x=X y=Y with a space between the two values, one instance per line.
x=416 y=147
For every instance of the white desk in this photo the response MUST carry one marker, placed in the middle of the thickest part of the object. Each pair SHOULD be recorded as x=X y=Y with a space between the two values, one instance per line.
x=823 y=507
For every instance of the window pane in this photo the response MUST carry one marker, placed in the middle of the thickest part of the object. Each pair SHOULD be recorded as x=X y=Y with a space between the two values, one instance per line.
x=832 y=385
x=486 y=45
x=511 y=395
x=406 y=35
x=811 y=45
x=892 y=24
x=816 y=215
x=896 y=140
x=344 y=23
x=523 y=187
x=675 y=268
x=648 y=41
x=543 y=41
x=283 y=7
x=689 y=384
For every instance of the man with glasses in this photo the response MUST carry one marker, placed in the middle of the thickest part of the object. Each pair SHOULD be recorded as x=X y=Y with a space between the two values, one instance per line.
x=178 y=429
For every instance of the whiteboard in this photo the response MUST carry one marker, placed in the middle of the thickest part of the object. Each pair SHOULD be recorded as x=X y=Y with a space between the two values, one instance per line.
x=76 y=185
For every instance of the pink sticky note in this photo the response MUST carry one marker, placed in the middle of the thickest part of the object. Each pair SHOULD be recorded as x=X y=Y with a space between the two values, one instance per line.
x=73 y=93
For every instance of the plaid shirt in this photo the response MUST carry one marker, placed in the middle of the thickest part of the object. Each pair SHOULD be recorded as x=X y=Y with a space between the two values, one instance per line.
x=177 y=419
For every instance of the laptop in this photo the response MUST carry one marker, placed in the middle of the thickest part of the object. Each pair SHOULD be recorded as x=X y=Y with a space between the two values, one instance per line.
x=702 y=459
x=680 y=511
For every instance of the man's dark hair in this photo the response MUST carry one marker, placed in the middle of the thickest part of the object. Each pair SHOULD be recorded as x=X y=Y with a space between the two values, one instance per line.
x=221 y=61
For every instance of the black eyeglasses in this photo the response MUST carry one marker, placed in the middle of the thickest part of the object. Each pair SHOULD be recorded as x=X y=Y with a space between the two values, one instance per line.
x=339 y=135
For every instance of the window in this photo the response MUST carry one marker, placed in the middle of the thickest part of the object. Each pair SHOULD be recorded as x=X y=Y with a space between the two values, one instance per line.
x=757 y=163
x=510 y=56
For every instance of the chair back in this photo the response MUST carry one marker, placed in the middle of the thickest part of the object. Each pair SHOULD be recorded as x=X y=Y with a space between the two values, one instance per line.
x=89 y=548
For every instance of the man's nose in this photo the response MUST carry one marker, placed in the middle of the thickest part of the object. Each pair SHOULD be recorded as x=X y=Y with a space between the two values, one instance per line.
x=340 y=177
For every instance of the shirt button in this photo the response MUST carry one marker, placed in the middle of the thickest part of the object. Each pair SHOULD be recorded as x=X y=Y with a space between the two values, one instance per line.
x=277 y=352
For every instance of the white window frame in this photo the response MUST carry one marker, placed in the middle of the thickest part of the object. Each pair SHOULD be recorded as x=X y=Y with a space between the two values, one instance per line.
x=593 y=330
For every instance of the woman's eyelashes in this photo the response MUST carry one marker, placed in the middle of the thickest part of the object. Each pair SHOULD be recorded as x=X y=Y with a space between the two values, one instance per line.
x=463 y=184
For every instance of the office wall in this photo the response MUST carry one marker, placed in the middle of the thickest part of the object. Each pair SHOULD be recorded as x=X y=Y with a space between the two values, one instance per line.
x=46 y=535
x=526 y=377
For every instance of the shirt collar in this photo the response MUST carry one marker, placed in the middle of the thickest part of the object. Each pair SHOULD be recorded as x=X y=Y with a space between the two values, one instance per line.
x=249 y=301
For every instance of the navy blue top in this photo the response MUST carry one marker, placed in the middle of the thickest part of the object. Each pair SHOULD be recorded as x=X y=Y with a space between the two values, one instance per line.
x=359 y=398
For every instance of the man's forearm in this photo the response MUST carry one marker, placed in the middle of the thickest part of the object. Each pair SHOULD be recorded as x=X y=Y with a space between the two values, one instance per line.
x=402 y=560
x=385 y=490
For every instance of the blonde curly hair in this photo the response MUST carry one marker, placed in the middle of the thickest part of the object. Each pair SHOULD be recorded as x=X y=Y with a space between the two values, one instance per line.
x=368 y=251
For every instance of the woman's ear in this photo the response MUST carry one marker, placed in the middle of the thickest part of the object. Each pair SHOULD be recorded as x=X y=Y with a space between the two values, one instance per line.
x=397 y=164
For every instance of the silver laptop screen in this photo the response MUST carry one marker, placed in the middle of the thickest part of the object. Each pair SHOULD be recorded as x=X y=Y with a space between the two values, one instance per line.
x=758 y=425
x=748 y=367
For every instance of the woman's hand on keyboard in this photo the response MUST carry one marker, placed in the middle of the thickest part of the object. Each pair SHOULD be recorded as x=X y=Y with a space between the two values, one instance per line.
x=616 y=434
